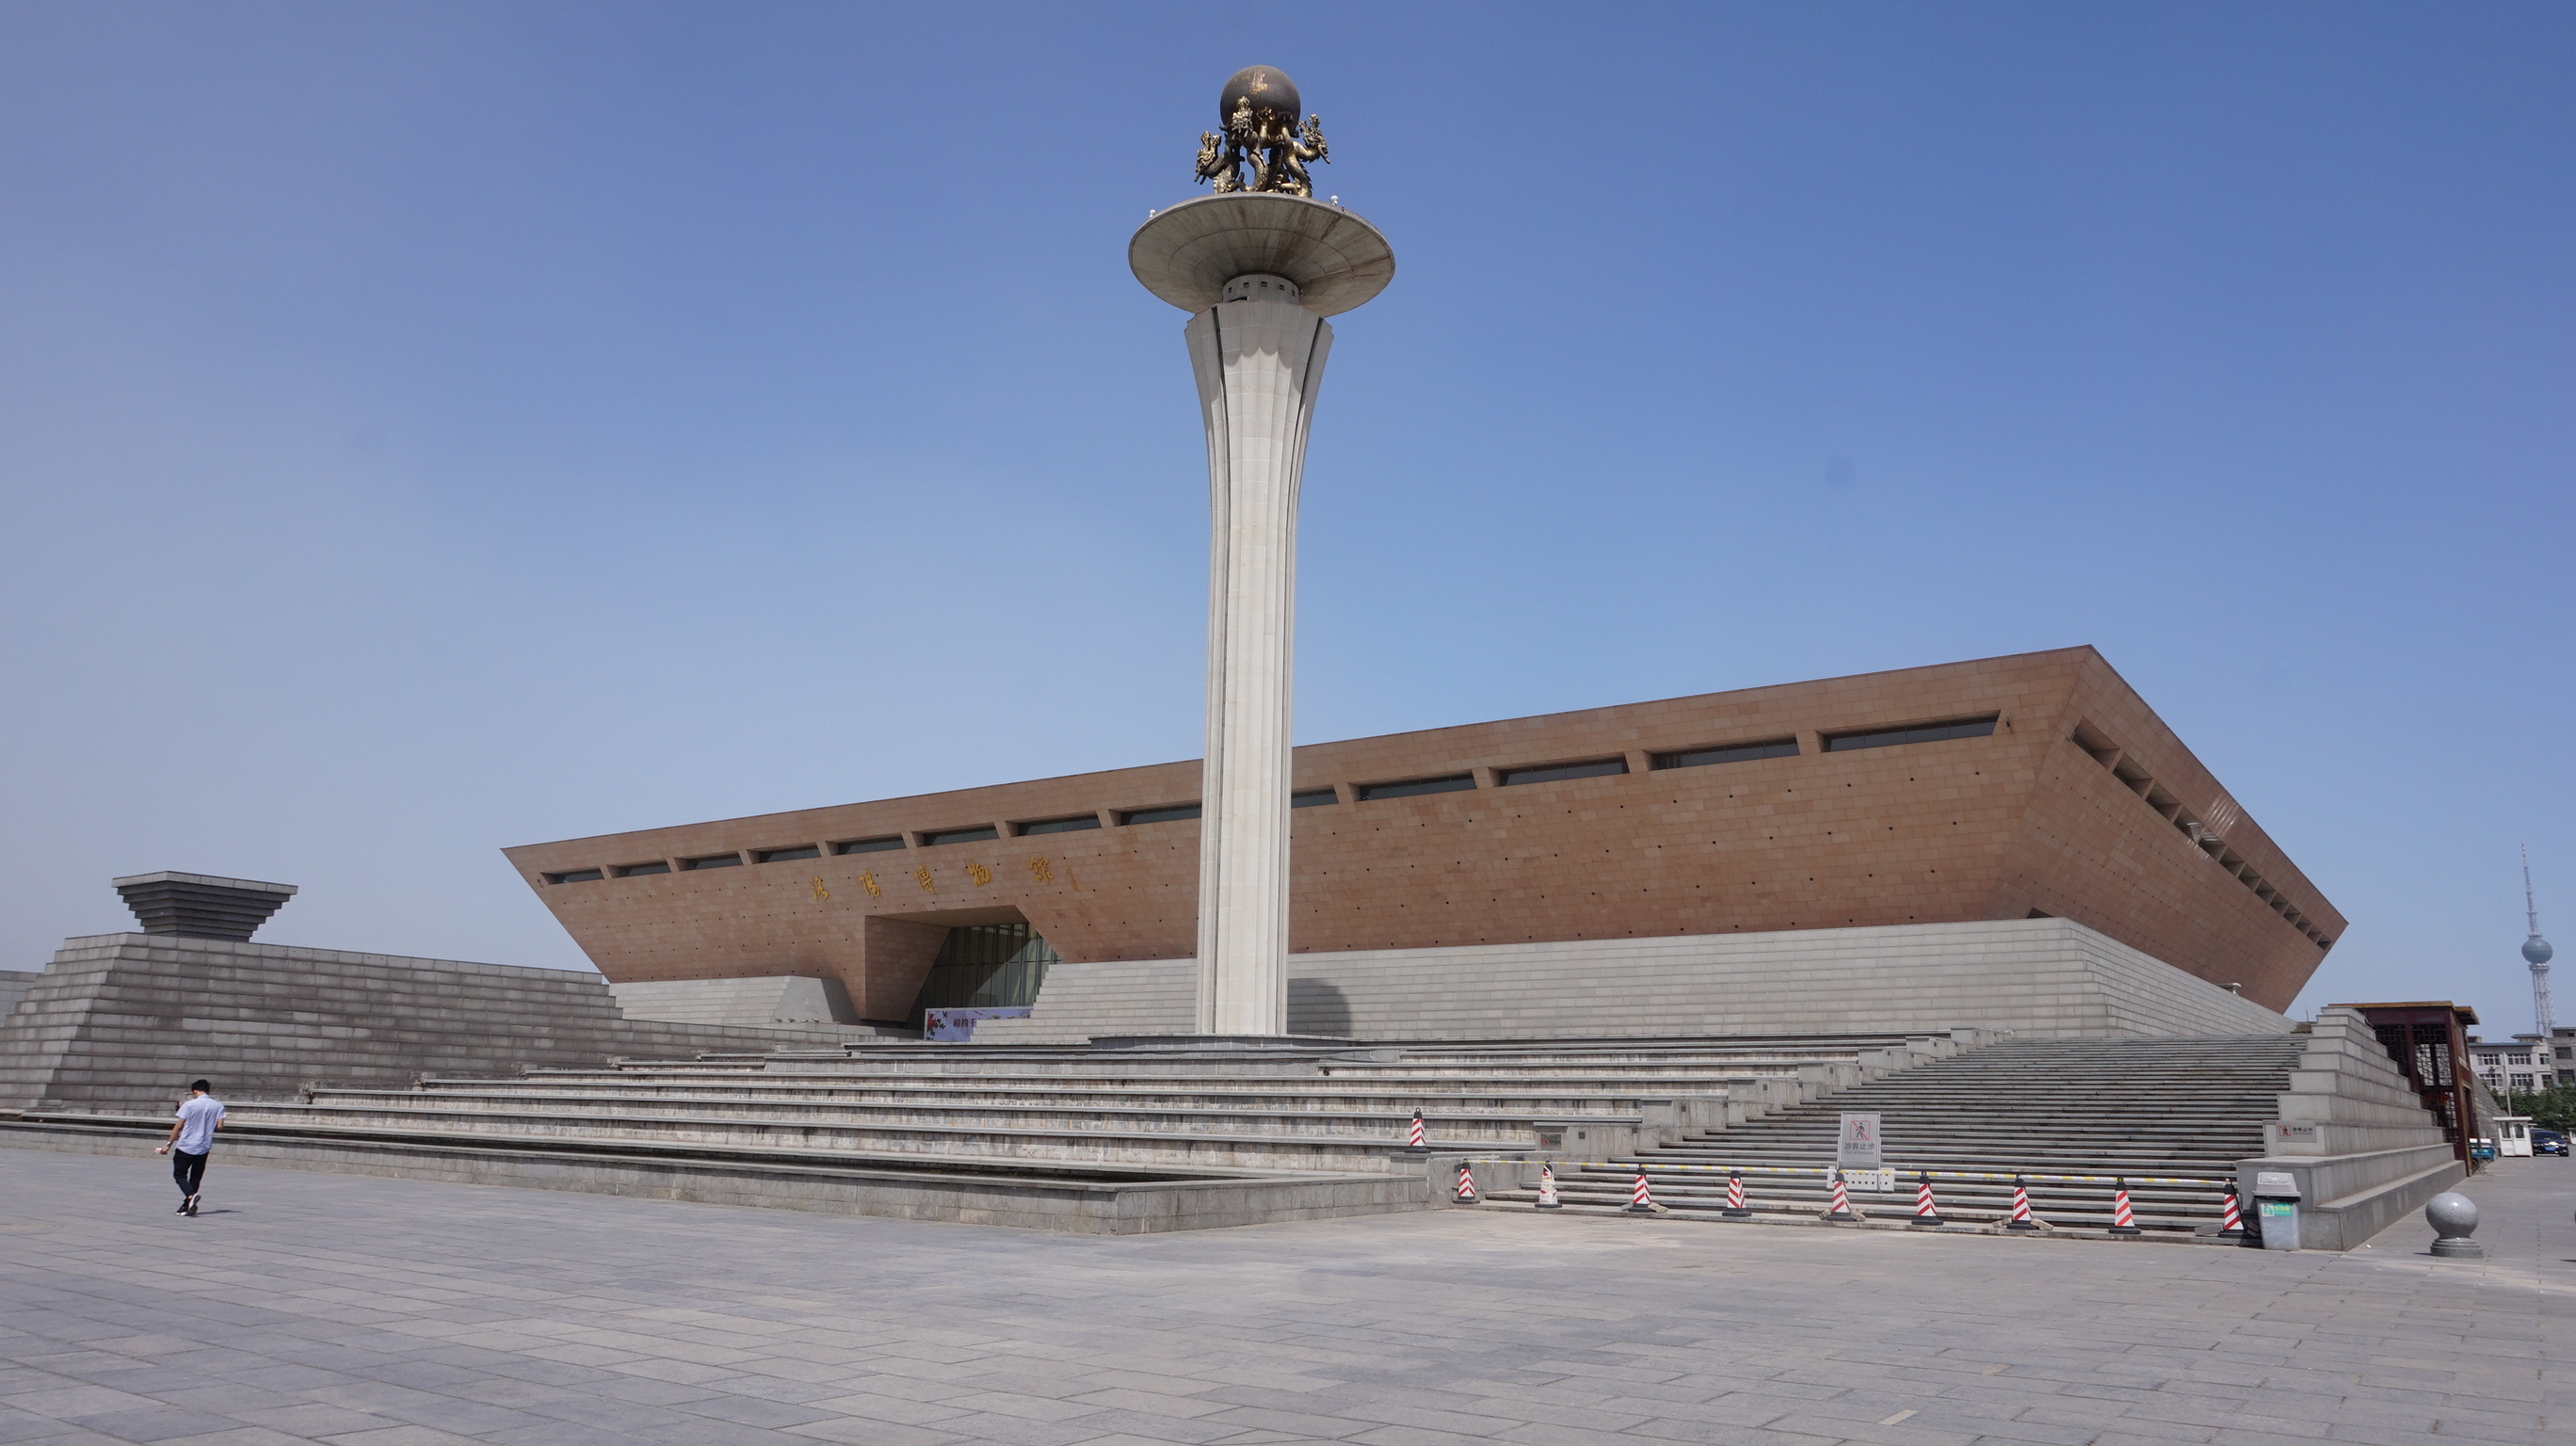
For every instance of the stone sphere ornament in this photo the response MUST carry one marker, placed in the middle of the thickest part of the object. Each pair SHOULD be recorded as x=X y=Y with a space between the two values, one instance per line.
x=1269 y=89
x=2454 y=1218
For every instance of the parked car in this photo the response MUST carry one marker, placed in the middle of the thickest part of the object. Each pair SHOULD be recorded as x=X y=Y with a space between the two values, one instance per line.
x=2482 y=1149
x=2548 y=1142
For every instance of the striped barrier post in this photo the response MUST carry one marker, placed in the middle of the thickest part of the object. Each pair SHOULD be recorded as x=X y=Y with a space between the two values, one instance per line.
x=1641 y=1201
x=2021 y=1208
x=1842 y=1210
x=2122 y=1222
x=1416 y=1144
x=1927 y=1213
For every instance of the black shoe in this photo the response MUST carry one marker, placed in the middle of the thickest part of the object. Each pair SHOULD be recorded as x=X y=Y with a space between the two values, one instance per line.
x=192 y=1205
x=184 y=1204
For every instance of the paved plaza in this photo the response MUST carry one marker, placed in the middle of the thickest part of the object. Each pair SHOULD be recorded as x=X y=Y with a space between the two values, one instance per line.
x=373 y=1312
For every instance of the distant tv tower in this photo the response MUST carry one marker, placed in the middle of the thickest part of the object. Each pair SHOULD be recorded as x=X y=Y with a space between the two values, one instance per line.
x=2536 y=952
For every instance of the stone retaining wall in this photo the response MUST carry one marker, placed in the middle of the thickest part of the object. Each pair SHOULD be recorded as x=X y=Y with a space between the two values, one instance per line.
x=760 y=1002
x=2051 y=978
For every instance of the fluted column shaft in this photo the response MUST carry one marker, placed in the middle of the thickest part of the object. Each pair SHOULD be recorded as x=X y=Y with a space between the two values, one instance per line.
x=1258 y=364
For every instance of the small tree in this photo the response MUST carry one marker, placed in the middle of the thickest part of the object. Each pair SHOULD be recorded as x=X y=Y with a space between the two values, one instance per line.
x=2550 y=1109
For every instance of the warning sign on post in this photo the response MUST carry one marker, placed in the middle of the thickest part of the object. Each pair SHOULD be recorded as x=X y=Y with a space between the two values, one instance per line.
x=1856 y=1148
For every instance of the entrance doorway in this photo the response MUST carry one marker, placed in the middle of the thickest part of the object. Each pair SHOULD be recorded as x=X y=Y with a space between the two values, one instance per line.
x=986 y=966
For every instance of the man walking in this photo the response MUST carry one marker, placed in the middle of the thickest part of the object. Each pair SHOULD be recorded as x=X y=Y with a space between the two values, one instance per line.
x=191 y=1140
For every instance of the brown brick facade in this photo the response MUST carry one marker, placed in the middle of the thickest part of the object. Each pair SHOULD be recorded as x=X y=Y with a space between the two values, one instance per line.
x=2080 y=804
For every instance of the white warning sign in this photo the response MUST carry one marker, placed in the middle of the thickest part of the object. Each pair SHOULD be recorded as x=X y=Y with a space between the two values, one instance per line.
x=1857 y=1147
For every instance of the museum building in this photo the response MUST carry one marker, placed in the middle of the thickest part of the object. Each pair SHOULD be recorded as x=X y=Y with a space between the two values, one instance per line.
x=1508 y=877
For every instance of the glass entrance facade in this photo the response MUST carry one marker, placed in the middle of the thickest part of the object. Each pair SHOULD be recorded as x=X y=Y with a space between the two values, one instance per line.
x=986 y=966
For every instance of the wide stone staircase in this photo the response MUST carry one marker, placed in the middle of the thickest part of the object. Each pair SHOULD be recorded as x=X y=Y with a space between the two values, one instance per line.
x=2173 y=1117
x=1160 y=1135
x=1314 y=1109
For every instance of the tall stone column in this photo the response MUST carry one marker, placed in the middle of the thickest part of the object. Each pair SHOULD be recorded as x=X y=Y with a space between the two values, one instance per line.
x=1259 y=272
x=1259 y=357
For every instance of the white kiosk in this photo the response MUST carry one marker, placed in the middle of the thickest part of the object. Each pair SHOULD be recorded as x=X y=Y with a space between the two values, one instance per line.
x=2513 y=1135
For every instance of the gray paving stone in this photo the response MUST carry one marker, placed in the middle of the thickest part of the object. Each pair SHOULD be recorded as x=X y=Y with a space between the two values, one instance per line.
x=395 y=1312
x=310 y=1421
x=2033 y=1433
x=858 y=1431
x=17 y=1425
x=558 y=1433
x=1773 y=1436
x=238 y=1436
x=1015 y=1430
x=159 y=1423
x=1402 y=1435
x=1186 y=1431
x=400 y=1436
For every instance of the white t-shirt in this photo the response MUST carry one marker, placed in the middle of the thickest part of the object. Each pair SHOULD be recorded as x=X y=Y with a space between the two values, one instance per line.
x=197 y=1124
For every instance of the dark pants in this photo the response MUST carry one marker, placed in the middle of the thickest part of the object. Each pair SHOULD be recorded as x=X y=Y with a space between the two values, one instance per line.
x=189 y=1170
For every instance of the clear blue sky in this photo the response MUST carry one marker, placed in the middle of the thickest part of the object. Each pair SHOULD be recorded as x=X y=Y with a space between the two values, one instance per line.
x=426 y=428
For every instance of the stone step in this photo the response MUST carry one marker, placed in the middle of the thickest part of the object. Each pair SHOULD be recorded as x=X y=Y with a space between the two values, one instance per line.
x=730 y=1066
x=907 y=1069
x=1306 y=1099
x=2218 y=1138
x=1545 y=1095
x=1926 y=1125
x=1857 y=1070
x=1292 y=1109
x=1175 y=1149
x=2167 y=1217
x=2205 y=1204
x=1378 y=1125
x=1087 y=1197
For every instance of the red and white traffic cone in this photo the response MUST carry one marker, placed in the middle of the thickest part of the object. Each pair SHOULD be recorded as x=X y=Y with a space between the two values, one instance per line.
x=2231 y=1226
x=2122 y=1223
x=1842 y=1210
x=1735 y=1196
x=1547 y=1188
x=1926 y=1213
x=1416 y=1144
x=1467 y=1187
x=1641 y=1201
x=2021 y=1208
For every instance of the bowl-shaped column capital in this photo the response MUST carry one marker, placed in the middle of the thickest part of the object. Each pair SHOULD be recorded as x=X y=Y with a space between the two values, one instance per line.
x=1187 y=253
